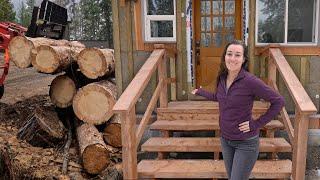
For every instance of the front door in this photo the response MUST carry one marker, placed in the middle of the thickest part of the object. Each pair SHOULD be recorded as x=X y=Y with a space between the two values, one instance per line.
x=217 y=22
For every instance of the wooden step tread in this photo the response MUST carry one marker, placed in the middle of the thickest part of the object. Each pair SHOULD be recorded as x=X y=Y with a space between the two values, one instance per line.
x=194 y=125
x=204 y=106
x=208 y=144
x=190 y=169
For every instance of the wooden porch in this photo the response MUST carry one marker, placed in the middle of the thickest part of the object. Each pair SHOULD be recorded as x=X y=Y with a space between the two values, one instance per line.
x=203 y=116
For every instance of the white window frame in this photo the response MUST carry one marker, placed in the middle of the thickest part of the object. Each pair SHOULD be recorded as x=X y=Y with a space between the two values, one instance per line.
x=286 y=43
x=149 y=18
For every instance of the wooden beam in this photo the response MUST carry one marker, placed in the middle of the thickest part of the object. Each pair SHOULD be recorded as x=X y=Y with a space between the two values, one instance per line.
x=292 y=50
x=252 y=17
x=129 y=145
x=138 y=14
x=117 y=47
x=162 y=75
x=298 y=93
x=300 y=146
x=134 y=90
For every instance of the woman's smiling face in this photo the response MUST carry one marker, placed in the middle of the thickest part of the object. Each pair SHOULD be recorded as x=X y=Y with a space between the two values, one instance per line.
x=234 y=57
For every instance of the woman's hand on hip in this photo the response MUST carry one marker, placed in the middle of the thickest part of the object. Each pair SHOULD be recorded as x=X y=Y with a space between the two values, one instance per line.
x=244 y=127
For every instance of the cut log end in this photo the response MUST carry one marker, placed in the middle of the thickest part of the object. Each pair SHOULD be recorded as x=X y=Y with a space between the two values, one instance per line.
x=62 y=91
x=93 y=103
x=95 y=63
x=20 y=51
x=95 y=158
x=46 y=60
x=112 y=134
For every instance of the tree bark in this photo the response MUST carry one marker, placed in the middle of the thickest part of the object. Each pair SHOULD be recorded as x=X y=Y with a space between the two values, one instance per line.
x=43 y=128
x=93 y=103
x=62 y=91
x=94 y=62
x=95 y=156
x=112 y=132
x=21 y=48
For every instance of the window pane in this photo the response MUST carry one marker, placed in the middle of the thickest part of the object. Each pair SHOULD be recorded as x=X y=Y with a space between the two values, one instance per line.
x=161 y=28
x=229 y=37
x=205 y=39
x=217 y=39
x=229 y=7
x=271 y=23
x=217 y=7
x=205 y=23
x=217 y=23
x=229 y=22
x=301 y=11
x=205 y=7
x=160 y=7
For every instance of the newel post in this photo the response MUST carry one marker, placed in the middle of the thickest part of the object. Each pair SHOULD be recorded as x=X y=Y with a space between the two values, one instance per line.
x=300 y=145
x=162 y=75
x=129 y=145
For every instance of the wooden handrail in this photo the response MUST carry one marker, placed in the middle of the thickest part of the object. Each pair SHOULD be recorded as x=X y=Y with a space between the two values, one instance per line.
x=298 y=93
x=134 y=90
x=304 y=108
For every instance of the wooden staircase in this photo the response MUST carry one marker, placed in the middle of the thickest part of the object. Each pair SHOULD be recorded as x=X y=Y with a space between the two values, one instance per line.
x=195 y=116
x=203 y=116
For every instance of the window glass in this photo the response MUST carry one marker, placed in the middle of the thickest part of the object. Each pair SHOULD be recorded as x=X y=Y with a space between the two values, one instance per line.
x=271 y=21
x=301 y=18
x=161 y=28
x=160 y=7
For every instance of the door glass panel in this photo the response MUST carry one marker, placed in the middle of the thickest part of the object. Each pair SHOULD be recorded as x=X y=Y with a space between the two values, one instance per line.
x=160 y=7
x=229 y=37
x=217 y=23
x=229 y=22
x=217 y=7
x=217 y=39
x=229 y=7
x=205 y=24
x=205 y=7
x=205 y=39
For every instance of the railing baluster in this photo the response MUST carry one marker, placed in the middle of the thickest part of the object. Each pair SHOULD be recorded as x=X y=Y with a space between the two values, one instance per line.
x=129 y=145
x=300 y=145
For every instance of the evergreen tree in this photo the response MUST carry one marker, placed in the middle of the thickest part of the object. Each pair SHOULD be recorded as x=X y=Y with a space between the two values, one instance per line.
x=106 y=32
x=24 y=17
x=6 y=11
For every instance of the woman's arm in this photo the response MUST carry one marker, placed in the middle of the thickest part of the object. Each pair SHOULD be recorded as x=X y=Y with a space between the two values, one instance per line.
x=260 y=89
x=206 y=94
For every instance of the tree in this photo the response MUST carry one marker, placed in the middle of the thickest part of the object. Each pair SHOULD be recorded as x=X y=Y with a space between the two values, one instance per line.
x=24 y=17
x=6 y=11
x=106 y=32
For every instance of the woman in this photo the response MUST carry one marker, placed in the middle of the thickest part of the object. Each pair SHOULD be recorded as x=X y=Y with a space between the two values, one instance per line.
x=236 y=91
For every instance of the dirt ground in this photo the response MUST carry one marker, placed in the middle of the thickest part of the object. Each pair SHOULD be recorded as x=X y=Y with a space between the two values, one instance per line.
x=26 y=89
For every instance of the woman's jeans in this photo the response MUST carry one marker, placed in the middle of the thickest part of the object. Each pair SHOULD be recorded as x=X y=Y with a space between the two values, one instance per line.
x=240 y=156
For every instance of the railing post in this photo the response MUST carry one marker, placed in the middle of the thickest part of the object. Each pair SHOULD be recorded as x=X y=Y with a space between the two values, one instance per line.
x=162 y=74
x=300 y=145
x=129 y=145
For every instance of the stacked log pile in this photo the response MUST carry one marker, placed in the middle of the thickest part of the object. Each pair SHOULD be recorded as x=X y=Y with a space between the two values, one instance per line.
x=82 y=84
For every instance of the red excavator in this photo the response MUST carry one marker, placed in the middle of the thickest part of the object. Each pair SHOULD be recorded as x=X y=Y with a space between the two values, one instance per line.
x=48 y=20
x=8 y=30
